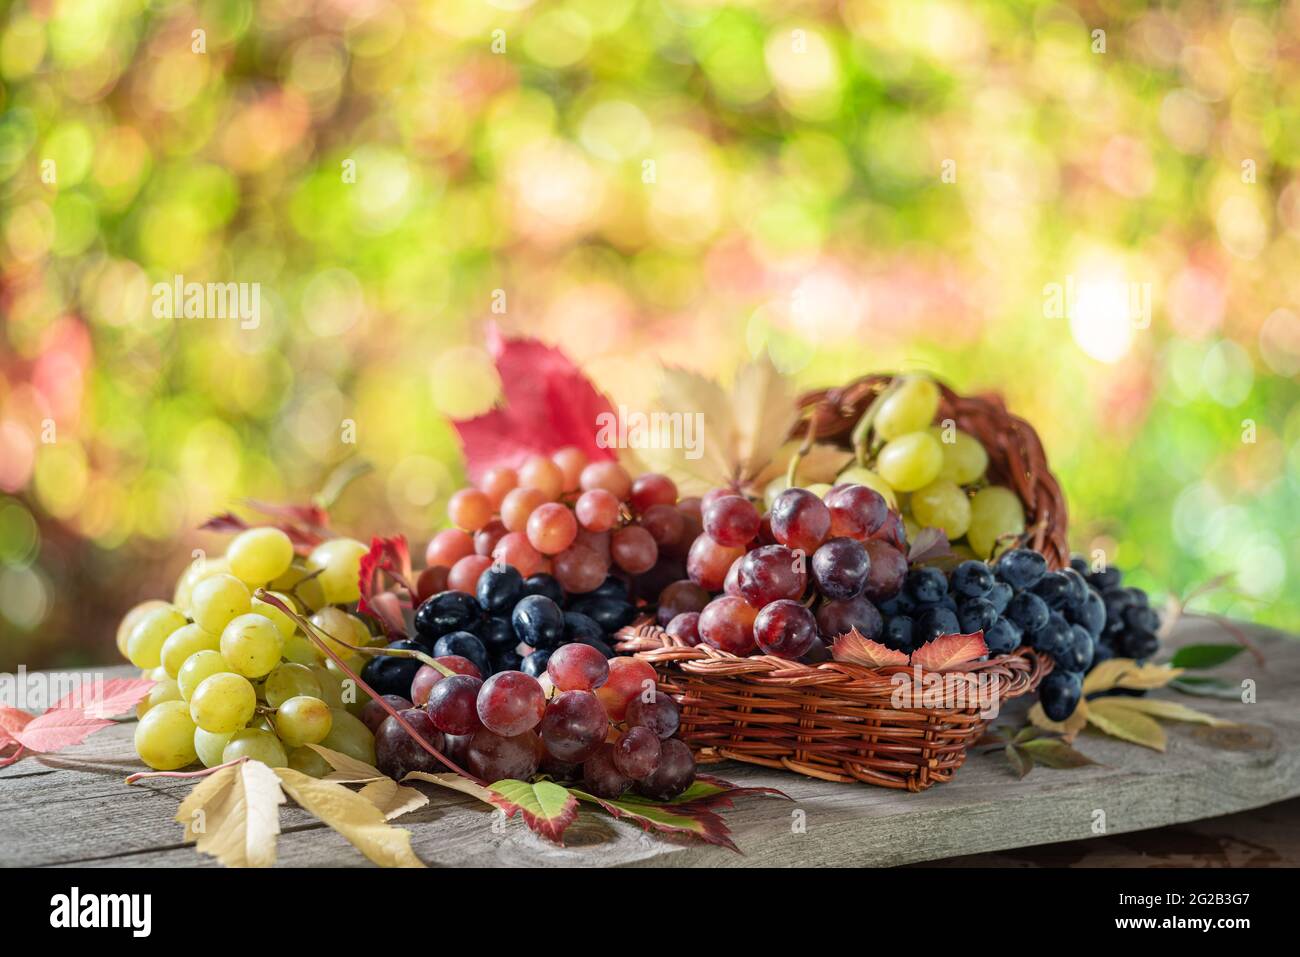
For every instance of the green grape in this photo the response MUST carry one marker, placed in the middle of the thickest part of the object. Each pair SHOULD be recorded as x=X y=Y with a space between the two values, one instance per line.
x=144 y=644
x=349 y=736
x=223 y=702
x=198 y=666
x=857 y=475
x=942 y=504
x=299 y=649
x=165 y=689
x=819 y=489
x=182 y=643
x=964 y=458
x=303 y=720
x=340 y=561
x=259 y=555
x=217 y=600
x=132 y=618
x=295 y=582
x=774 y=488
x=338 y=629
x=994 y=511
x=209 y=746
x=331 y=686
x=282 y=621
x=164 y=738
x=197 y=571
x=307 y=761
x=288 y=681
x=910 y=407
x=251 y=644
x=258 y=745
x=910 y=461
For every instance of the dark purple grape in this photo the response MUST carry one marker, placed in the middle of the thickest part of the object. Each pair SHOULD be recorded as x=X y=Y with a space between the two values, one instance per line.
x=391 y=674
x=834 y=618
x=971 y=579
x=976 y=614
x=887 y=571
x=897 y=633
x=397 y=753
x=660 y=714
x=840 y=568
x=674 y=774
x=467 y=646
x=800 y=520
x=494 y=758
x=601 y=777
x=574 y=726
x=373 y=714
x=453 y=704
x=926 y=585
x=680 y=596
x=636 y=753
x=538 y=622
x=499 y=588
x=1021 y=568
x=445 y=612
x=933 y=622
x=543 y=584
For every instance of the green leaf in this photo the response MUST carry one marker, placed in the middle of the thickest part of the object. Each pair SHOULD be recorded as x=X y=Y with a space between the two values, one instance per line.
x=547 y=808
x=1205 y=656
x=707 y=791
x=1021 y=761
x=1204 y=686
x=1027 y=733
x=693 y=819
x=1055 y=753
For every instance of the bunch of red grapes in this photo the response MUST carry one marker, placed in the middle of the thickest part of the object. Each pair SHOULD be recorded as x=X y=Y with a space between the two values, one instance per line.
x=791 y=579
x=604 y=724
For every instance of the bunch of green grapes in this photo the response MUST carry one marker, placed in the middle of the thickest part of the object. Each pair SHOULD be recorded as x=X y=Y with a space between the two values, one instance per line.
x=934 y=474
x=235 y=676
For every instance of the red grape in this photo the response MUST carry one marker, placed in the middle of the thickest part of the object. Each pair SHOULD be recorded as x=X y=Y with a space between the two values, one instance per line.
x=840 y=568
x=551 y=528
x=800 y=519
x=674 y=774
x=460 y=665
x=660 y=714
x=373 y=713
x=888 y=569
x=453 y=704
x=601 y=777
x=574 y=726
x=423 y=683
x=664 y=523
x=465 y=573
x=835 y=618
x=495 y=758
x=541 y=473
x=636 y=753
x=732 y=583
x=469 y=509
x=431 y=581
x=610 y=476
x=511 y=703
x=497 y=482
x=628 y=677
x=634 y=550
x=708 y=562
x=770 y=573
x=685 y=626
x=577 y=667
x=856 y=511
x=486 y=538
x=579 y=570
x=678 y=597
x=571 y=462
x=598 y=542
x=727 y=623
x=515 y=550
x=653 y=489
x=731 y=520
x=518 y=505
x=597 y=510
x=692 y=507
x=785 y=629
x=448 y=547
x=397 y=753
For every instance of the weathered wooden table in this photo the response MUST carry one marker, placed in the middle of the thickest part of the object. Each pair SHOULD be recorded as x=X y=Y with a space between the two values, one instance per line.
x=73 y=809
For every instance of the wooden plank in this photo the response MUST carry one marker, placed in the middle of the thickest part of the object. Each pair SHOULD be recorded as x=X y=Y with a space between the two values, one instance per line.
x=72 y=808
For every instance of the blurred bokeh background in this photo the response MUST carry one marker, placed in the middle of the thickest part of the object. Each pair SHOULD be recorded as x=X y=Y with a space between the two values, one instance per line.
x=853 y=186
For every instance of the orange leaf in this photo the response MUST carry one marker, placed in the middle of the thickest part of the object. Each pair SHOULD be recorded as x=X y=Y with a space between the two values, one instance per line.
x=855 y=649
x=949 y=651
x=56 y=730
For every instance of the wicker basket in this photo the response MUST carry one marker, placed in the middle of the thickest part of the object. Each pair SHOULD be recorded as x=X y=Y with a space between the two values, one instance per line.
x=892 y=727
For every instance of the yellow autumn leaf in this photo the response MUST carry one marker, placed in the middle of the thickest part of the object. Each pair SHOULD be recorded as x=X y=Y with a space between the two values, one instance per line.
x=822 y=464
x=234 y=815
x=347 y=770
x=1127 y=673
x=1126 y=723
x=763 y=412
x=353 y=816
x=1170 y=710
x=393 y=799
x=1069 y=728
x=711 y=463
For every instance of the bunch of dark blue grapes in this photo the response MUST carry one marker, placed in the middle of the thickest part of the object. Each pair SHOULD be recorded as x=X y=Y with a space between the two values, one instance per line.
x=1079 y=618
x=512 y=623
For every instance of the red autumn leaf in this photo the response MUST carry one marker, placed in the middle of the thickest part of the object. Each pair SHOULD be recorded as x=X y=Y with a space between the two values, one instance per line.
x=949 y=651
x=11 y=722
x=58 y=729
x=707 y=792
x=694 y=820
x=391 y=557
x=113 y=697
x=856 y=649
x=548 y=404
x=547 y=808
x=310 y=518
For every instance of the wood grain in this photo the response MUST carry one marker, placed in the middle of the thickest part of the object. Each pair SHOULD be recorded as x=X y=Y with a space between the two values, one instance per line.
x=73 y=809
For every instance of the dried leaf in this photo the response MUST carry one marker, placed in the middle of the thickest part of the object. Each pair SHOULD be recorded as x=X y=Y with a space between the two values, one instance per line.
x=1055 y=753
x=347 y=770
x=1127 y=673
x=352 y=816
x=1204 y=656
x=547 y=404
x=56 y=730
x=855 y=649
x=764 y=412
x=393 y=799
x=546 y=807
x=690 y=393
x=116 y=696
x=930 y=544
x=234 y=815
x=1125 y=723
x=1068 y=728
x=949 y=651
x=453 y=781
x=1021 y=761
x=1169 y=710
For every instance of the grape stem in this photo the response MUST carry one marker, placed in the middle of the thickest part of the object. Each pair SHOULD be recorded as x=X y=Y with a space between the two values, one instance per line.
x=5 y=762
x=309 y=630
x=862 y=431
x=141 y=775
x=804 y=448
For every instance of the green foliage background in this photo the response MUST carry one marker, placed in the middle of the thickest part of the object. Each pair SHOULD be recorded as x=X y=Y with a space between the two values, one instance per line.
x=852 y=186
